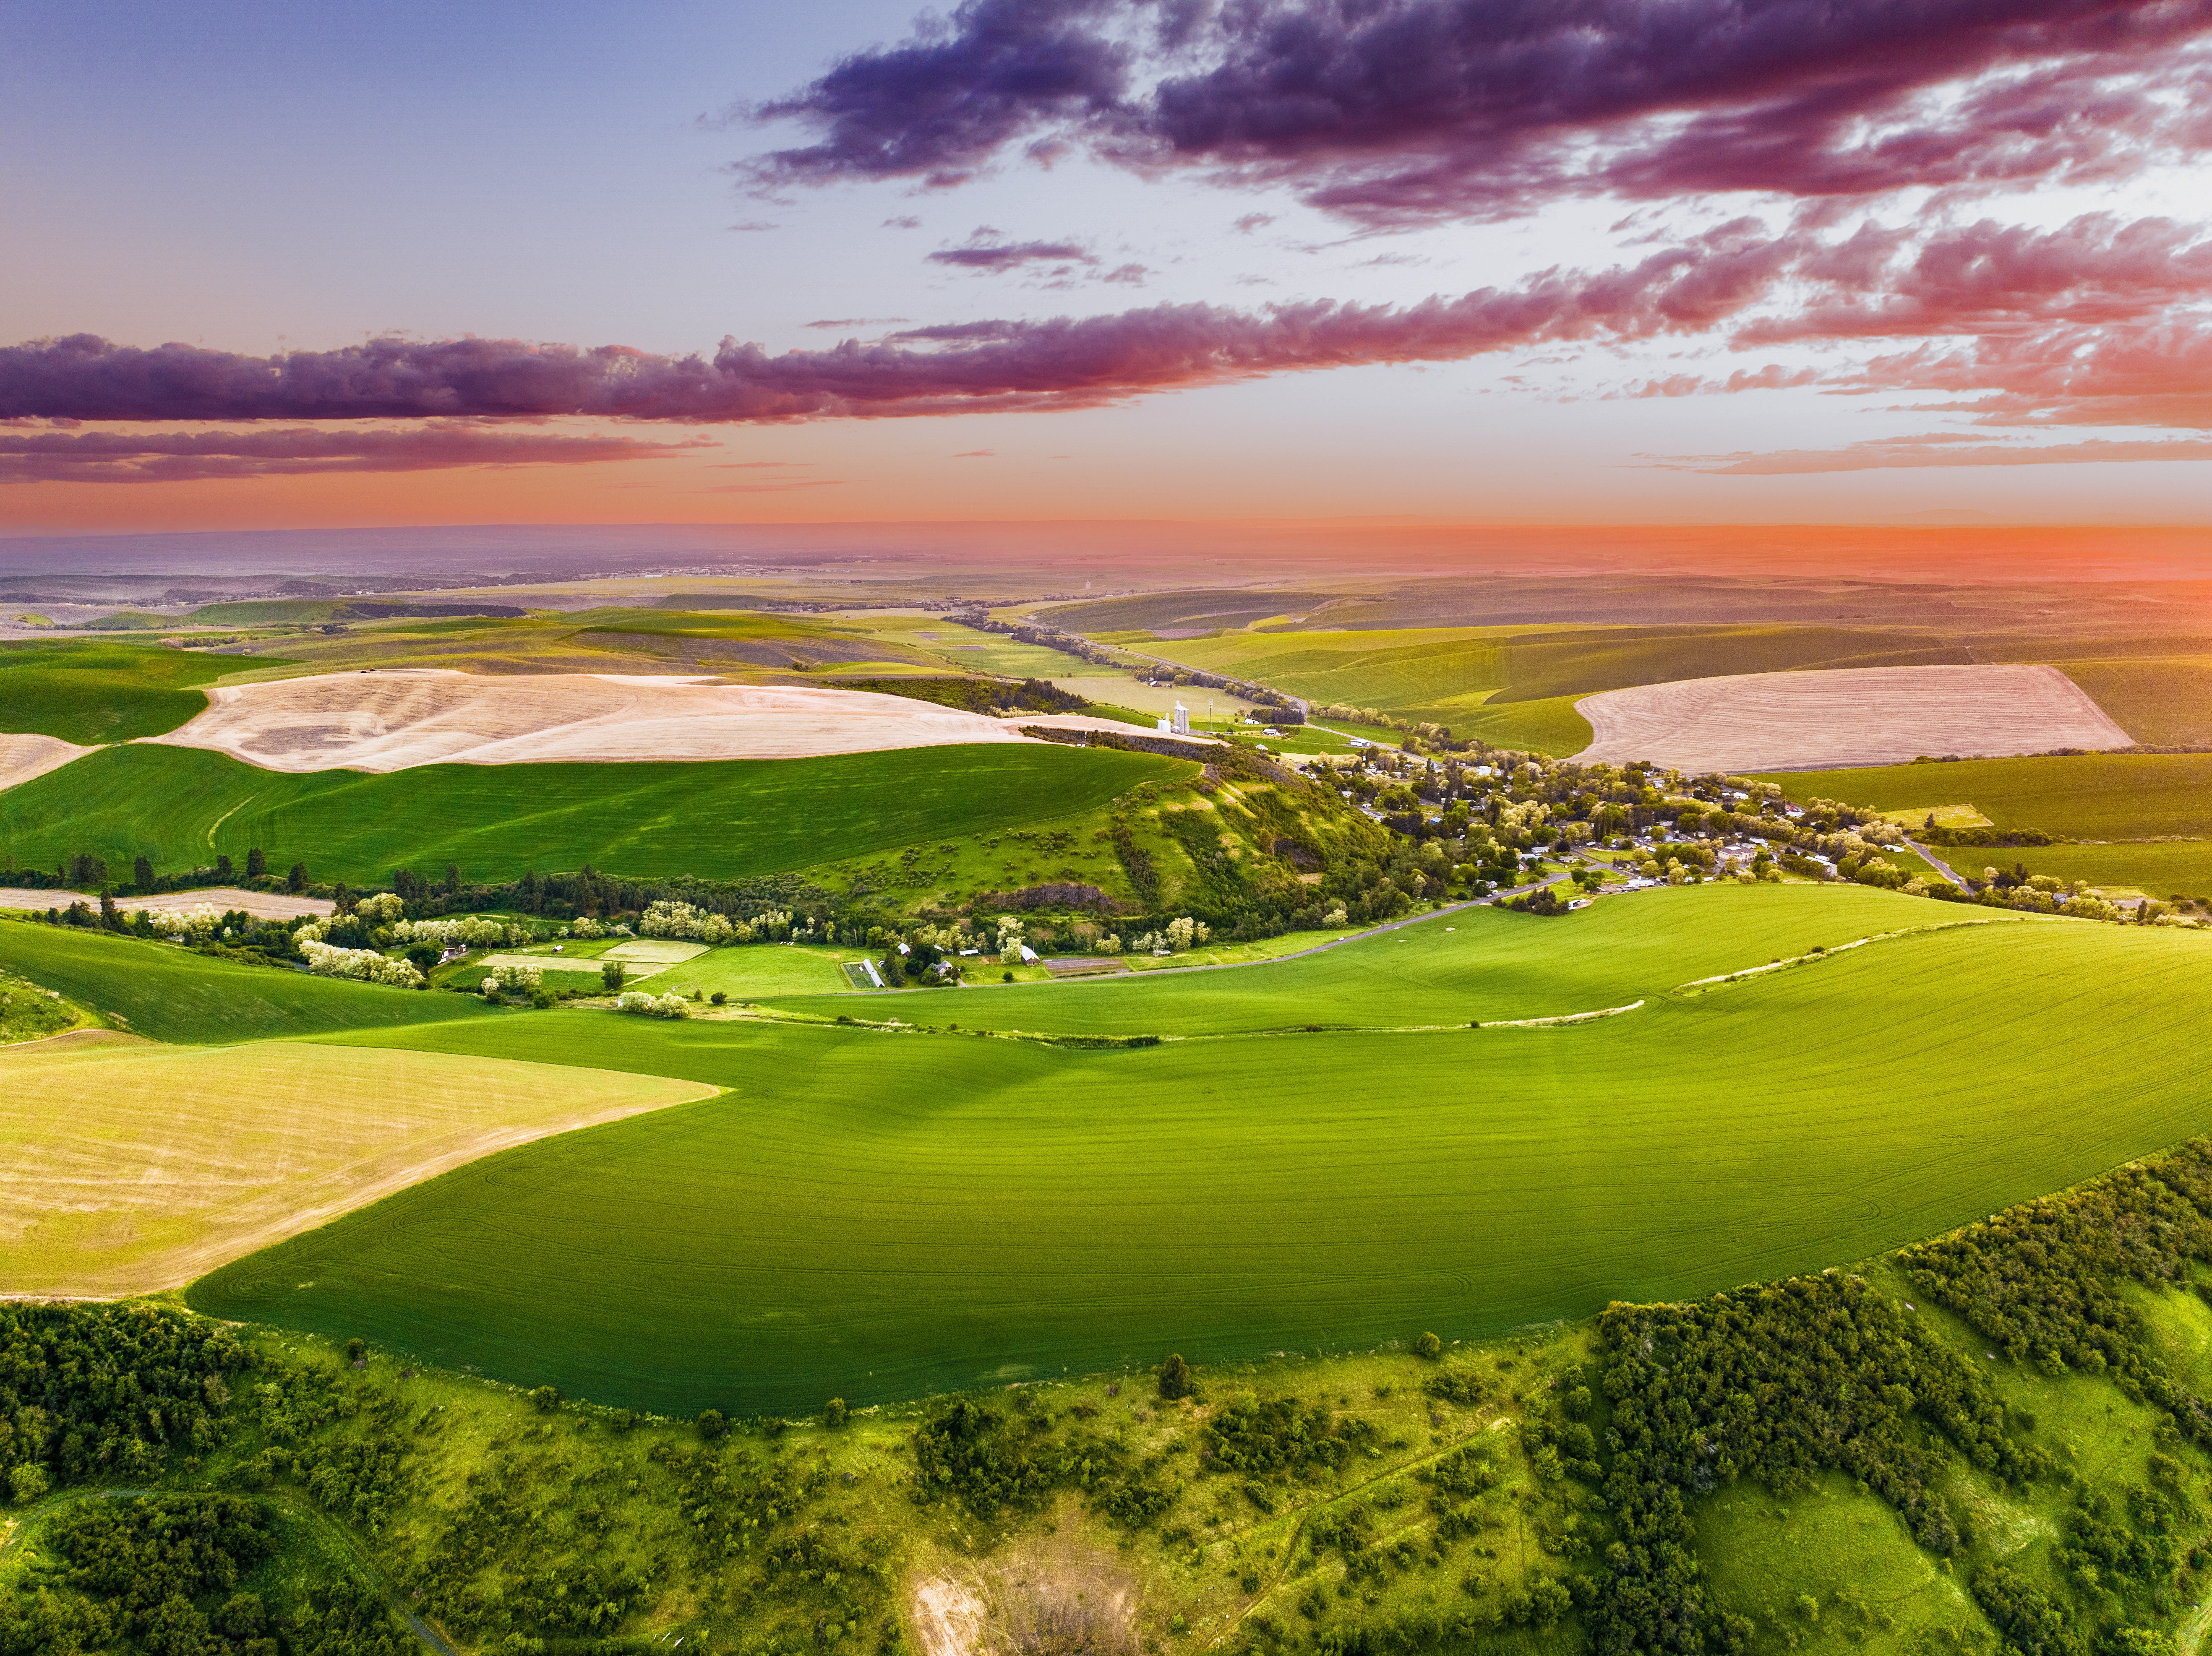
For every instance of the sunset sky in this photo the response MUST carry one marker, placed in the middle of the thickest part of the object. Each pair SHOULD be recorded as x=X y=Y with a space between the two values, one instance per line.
x=1706 y=261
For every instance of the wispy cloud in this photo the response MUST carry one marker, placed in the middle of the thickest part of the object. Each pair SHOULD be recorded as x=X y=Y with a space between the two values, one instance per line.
x=104 y=457
x=1936 y=449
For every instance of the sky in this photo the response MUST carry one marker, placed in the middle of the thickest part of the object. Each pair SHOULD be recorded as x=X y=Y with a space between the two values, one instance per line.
x=1501 y=261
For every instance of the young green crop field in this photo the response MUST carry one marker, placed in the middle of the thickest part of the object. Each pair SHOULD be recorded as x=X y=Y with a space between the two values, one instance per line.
x=2087 y=796
x=181 y=806
x=94 y=692
x=1481 y=964
x=2120 y=797
x=166 y=993
x=879 y=1215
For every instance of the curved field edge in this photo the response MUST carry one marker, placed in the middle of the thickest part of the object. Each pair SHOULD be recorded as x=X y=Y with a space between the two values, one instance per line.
x=95 y=692
x=1465 y=964
x=729 y=820
x=139 y=1166
x=166 y=993
x=877 y=1216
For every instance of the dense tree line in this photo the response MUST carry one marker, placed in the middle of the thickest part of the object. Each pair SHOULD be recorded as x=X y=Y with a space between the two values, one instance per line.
x=1776 y=1383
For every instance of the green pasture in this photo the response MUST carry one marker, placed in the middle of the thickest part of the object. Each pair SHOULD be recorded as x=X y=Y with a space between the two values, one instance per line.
x=2182 y=869
x=1484 y=964
x=718 y=820
x=879 y=1216
x=2093 y=795
x=756 y=971
x=97 y=691
x=168 y=994
x=2162 y=701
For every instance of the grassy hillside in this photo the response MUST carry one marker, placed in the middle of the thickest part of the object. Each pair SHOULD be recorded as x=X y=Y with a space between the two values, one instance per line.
x=2161 y=701
x=1992 y=1443
x=881 y=1215
x=181 y=806
x=1484 y=964
x=97 y=692
x=166 y=993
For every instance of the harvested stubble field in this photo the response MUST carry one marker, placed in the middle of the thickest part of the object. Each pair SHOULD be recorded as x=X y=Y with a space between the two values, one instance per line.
x=876 y=1215
x=134 y=1167
x=727 y=821
x=262 y=905
x=1871 y=716
x=23 y=757
x=397 y=720
x=166 y=993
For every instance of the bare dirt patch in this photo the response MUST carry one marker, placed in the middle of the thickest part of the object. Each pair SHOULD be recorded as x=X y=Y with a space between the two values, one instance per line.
x=23 y=757
x=1045 y=1597
x=394 y=720
x=127 y=1167
x=1860 y=716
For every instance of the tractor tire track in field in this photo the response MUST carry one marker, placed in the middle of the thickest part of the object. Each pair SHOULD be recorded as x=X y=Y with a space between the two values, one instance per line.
x=18 y=1531
x=1706 y=985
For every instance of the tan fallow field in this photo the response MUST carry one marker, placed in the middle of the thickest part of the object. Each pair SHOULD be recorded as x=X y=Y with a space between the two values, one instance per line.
x=127 y=1167
x=262 y=905
x=1855 y=716
x=390 y=720
x=23 y=757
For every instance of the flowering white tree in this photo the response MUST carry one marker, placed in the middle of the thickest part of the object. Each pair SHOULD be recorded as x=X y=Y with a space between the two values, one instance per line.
x=366 y=964
x=651 y=1006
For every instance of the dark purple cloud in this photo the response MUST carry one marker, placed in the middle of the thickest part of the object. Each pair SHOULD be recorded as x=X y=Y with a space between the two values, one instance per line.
x=1397 y=111
x=102 y=456
x=2095 y=322
x=988 y=250
x=1061 y=362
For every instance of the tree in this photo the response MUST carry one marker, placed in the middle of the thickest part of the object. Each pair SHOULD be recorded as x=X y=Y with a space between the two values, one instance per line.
x=712 y=1425
x=834 y=1413
x=1430 y=1347
x=452 y=879
x=296 y=880
x=611 y=974
x=223 y=869
x=546 y=1399
x=108 y=918
x=895 y=970
x=142 y=874
x=257 y=863
x=1175 y=1377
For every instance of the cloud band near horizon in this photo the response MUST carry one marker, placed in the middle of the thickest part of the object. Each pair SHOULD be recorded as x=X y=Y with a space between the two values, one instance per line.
x=2096 y=322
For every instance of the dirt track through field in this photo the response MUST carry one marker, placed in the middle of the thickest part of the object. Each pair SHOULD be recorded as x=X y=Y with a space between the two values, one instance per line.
x=391 y=720
x=1859 y=716
x=127 y=1167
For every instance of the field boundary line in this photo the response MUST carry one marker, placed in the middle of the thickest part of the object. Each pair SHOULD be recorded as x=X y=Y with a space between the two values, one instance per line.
x=1705 y=986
